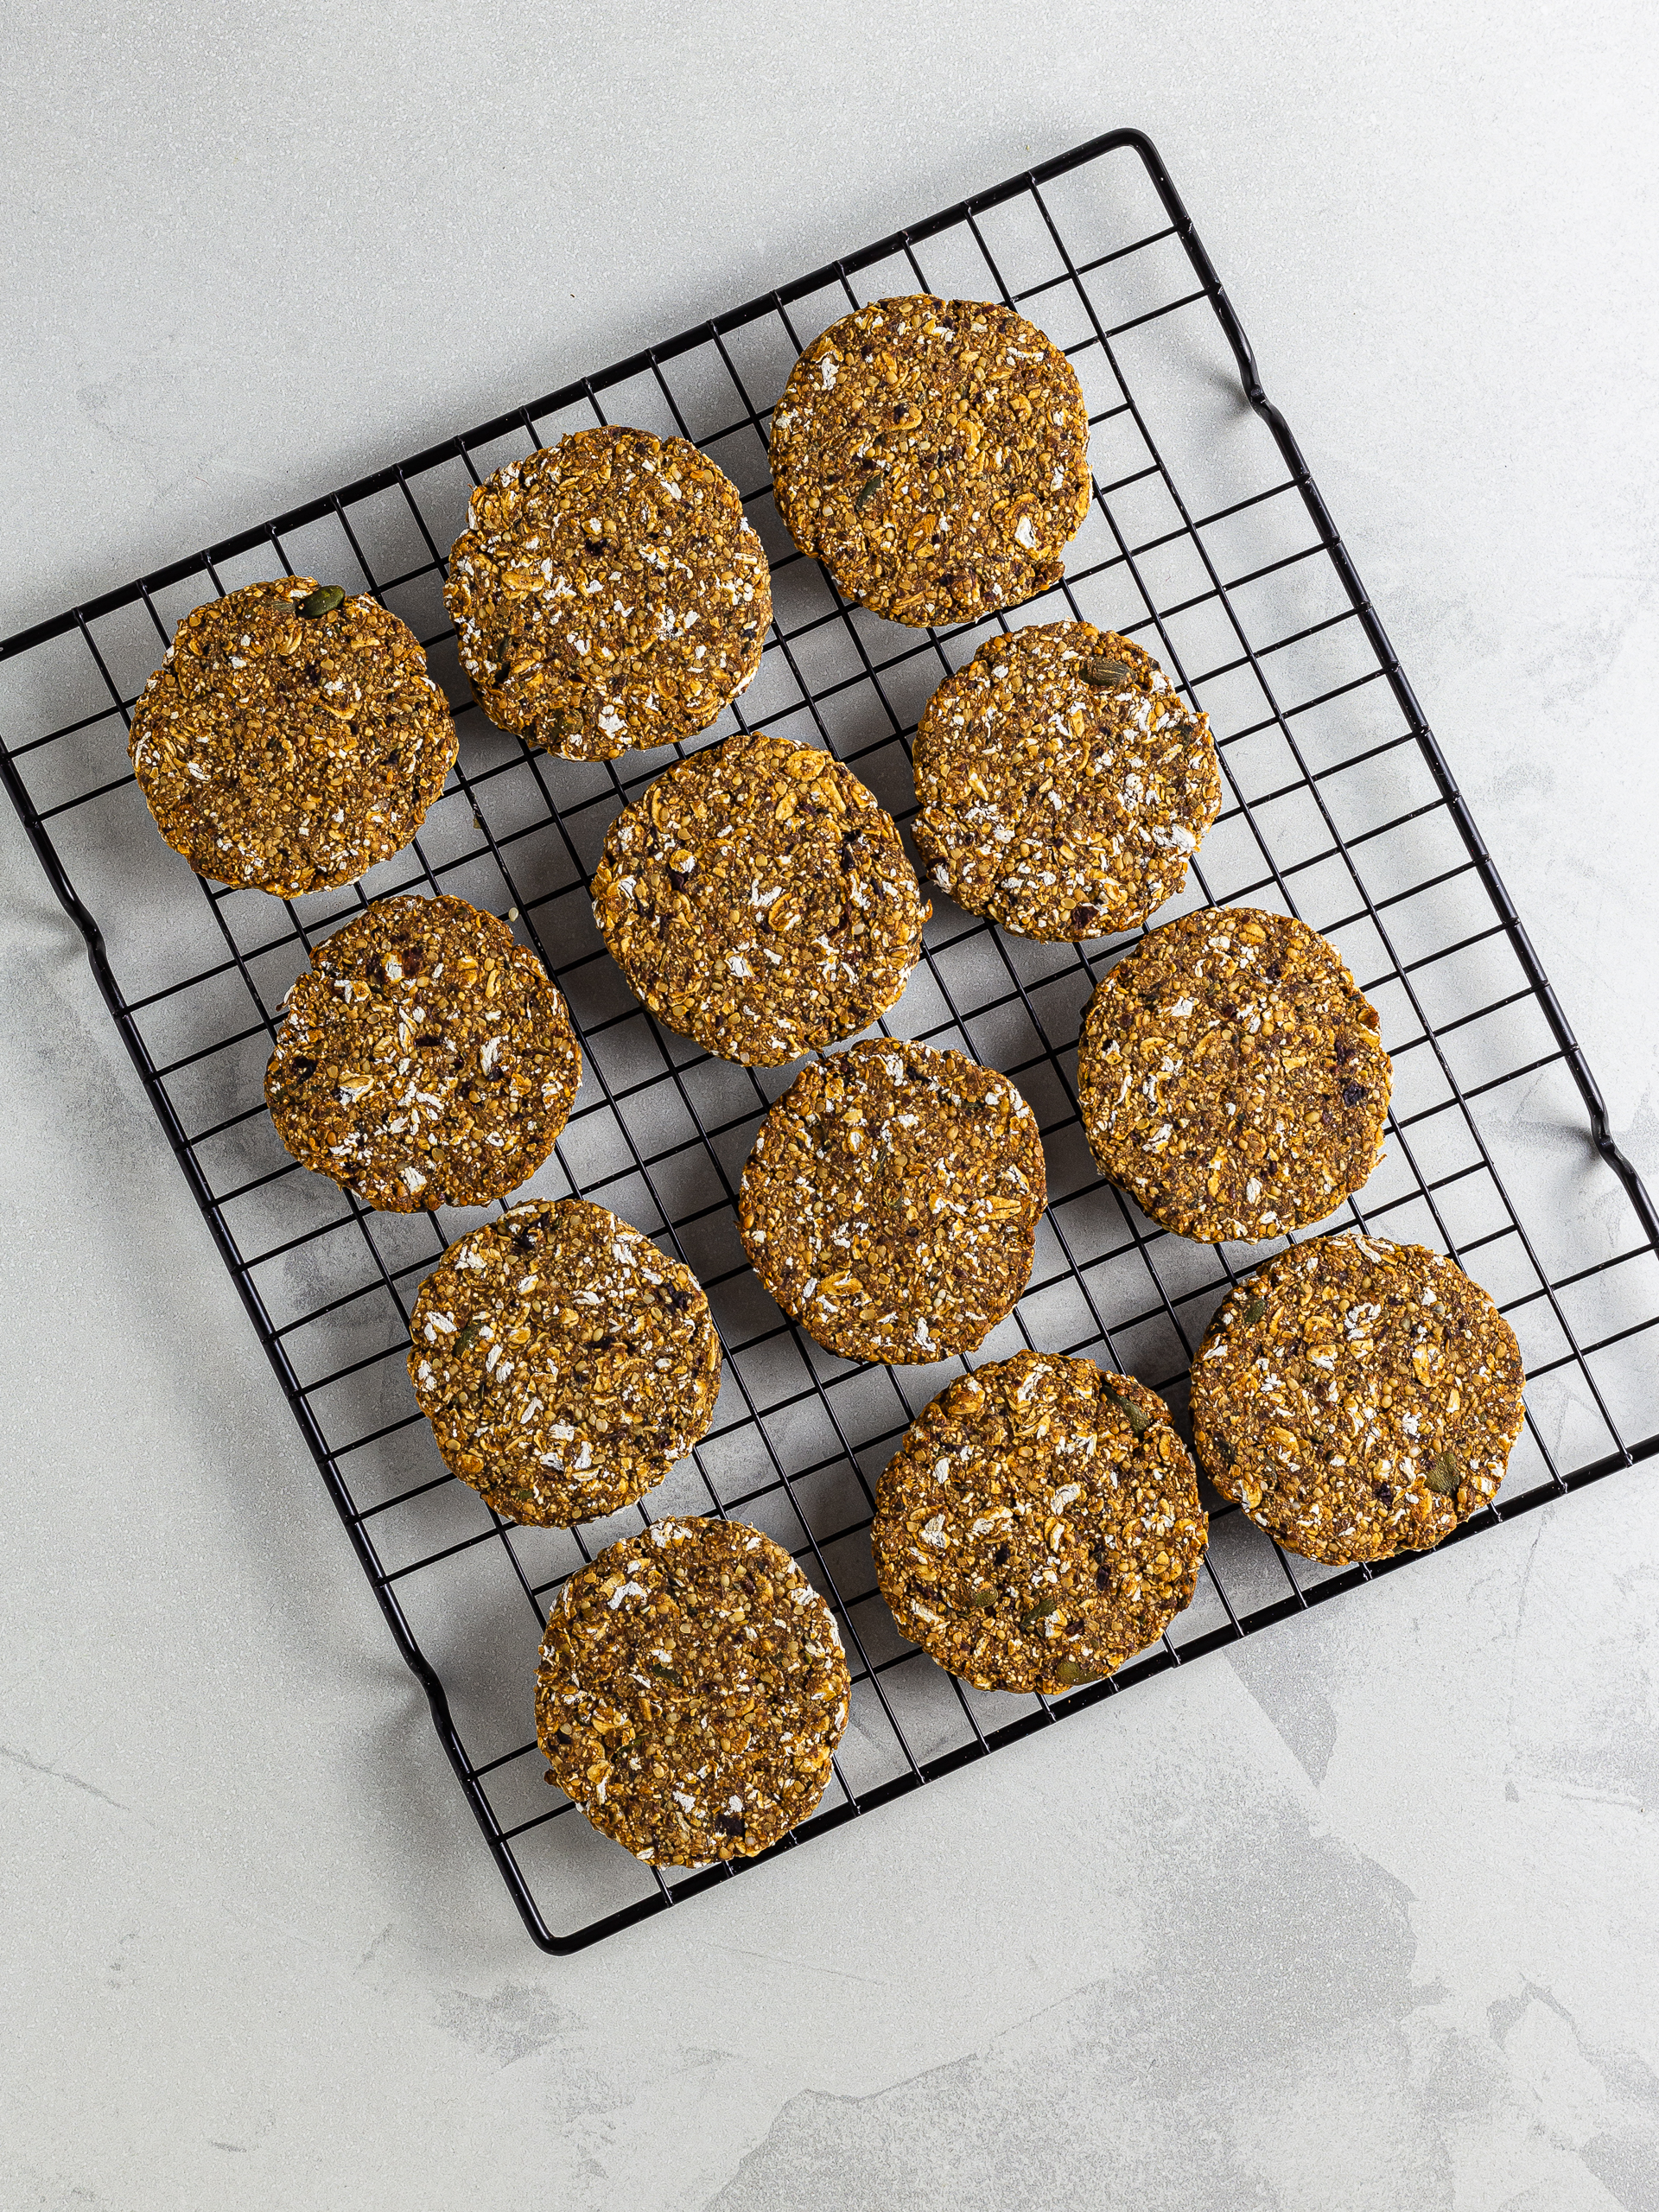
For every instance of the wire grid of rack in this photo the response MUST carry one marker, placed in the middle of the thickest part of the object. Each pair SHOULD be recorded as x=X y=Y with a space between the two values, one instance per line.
x=1207 y=540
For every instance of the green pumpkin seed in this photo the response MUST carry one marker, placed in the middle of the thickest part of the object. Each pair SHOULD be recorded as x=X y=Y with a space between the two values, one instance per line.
x=1136 y=1416
x=984 y=1598
x=1253 y=1309
x=1441 y=1475
x=866 y=492
x=1070 y=1671
x=327 y=599
x=1107 y=674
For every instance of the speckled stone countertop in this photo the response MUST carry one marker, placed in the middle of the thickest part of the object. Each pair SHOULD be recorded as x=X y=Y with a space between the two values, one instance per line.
x=1365 y=1913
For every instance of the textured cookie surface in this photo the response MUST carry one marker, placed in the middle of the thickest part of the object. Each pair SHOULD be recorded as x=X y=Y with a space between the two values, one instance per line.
x=608 y=593
x=1229 y=1075
x=891 y=1201
x=934 y=455
x=692 y=1692
x=288 y=745
x=564 y=1363
x=1358 y=1398
x=424 y=1058
x=1063 y=783
x=758 y=899
x=1038 y=1525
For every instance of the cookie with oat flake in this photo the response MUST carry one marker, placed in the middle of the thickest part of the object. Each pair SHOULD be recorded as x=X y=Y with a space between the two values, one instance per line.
x=1358 y=1398
x=292 y=738
x=1063 y=783
x=692 y=1692
x=1038 y=1525
x=608 y=593
x=934 y=455
x=564 y=1363
x=424 y=1059
x=1231 y=1078
x=758 y=899
x=891 y=1200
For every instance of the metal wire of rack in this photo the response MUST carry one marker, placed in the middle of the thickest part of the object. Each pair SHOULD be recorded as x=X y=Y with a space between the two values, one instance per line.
x=1207 y=538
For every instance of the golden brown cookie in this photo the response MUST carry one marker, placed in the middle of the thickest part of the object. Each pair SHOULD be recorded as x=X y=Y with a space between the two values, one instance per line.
x=891 y=1201
x=691 y=1693
x=1358 y=1398
x=1038 y=1525
x=1063 y=783
x=607 y=594
x=291 y=739
x=758 y=899
x=424 y=1059
x=564 y=1363
x=1229 y=1075
x=934 y=455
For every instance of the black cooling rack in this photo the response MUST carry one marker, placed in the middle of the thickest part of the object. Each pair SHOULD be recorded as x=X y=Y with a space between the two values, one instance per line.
x=1208 y=540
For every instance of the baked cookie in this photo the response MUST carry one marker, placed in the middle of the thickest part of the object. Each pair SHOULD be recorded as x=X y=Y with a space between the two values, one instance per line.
x=291 y=739
x=692 y=1692
x=1063 y=783
x=1358 y=1398
x=1038 y=1525
x=934 y=455
x=608 y=593
x=565 y=1364
x=1229 y=1075
x=424 y=1059
x=891 y=1201
x=758 y=899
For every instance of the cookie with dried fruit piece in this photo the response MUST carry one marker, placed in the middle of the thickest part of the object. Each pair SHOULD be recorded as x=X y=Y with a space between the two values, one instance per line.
x=1231 y=1078
x=1038 y=1525
x=608 y=593
x=424 y=1058
x=692 y=1692
x=1358 y=1398
x=292 y=738
x=934 y=455
x=564 y=1363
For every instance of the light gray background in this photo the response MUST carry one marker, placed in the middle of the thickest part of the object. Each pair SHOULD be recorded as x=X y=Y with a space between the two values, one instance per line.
x=1368 y=1916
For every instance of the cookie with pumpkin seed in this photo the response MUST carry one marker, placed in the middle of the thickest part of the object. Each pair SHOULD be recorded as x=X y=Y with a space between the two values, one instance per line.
x=934 y=455
x=608 y=593
x=423 y=1059
x=1358 y=1398
x=891 y=1200
x=692 y=1692
x=758 y=899
x=1063 y=783
x=1038 y=1525
x=565 y=1364
x=1230 y=1076
x=291 y=739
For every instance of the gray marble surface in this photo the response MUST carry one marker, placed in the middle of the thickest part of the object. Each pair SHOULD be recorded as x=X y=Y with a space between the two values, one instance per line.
x=1363 y=1916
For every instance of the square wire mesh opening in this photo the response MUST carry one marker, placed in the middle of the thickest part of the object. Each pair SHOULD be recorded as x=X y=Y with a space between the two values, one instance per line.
x=1206 y=542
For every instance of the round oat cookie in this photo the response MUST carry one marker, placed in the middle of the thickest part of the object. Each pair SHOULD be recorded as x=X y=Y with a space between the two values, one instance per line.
x=1038 y=1525
x=1358 y=1398
x=692 y=1692
x=891 y=1201
x=565 y=1364
x=934 y=455
x=1231 y=1078
x=291 y=739
x=424 y=1059
x=608 y=593
x=1063 y=783
x=758 y=899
